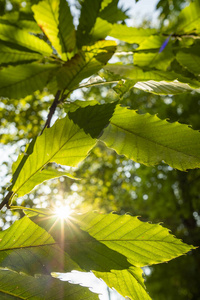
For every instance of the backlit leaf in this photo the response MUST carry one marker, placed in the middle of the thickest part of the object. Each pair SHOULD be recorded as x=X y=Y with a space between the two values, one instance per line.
x=21 y=37
x=129 y=283
x=22 y=286
x=130 y=34
x=147 y=139
x=22 y=80
x=11 y=55
x=141 y=242
x=164 y=87
x=189 y=60
x=55 y=19
x=26 y=247
x=189 y=19
x=84 y=64
x=150 y=77
x=66 y=143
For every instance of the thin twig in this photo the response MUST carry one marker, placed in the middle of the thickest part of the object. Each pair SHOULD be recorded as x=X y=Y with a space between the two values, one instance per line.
x=52 y=110
x=6 y=200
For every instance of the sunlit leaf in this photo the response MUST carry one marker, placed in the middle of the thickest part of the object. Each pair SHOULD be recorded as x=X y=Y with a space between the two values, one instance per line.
x=164 y=87
x=21 y=37
x=149 y=140
x=153 y=57
x=141 y=242
x=22 y=286
x=82 y=248
x=152 y=42
x=55 y=19
x=189 y=60
x=150 y=77
x=22 y=80
x=26 y=247
x=101 y=29
x=160 y=61
x=85 y=63
x=130 y=34
x=189 y=19
x=129 y=283
x=65 y=143
x=11 y=55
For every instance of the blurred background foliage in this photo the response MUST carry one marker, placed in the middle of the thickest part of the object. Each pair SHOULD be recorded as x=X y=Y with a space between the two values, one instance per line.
x=110 y=182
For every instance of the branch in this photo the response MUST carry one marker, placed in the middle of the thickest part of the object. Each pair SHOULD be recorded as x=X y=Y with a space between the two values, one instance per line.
x=52 y=110
x=6 y=200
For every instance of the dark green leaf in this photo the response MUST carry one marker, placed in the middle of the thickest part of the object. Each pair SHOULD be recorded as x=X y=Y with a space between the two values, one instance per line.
x=89 y=13
x=22 y=286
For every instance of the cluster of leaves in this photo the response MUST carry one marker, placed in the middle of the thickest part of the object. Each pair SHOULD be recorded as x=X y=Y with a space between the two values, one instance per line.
x=57 y=57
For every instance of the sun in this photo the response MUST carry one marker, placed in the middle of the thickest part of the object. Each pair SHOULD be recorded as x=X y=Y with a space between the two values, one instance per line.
x=63 y=212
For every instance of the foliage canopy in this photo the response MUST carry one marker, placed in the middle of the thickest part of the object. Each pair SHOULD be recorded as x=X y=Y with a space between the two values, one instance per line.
x=42 y=51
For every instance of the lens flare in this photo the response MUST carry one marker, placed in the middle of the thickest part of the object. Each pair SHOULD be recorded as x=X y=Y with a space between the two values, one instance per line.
x=63 y=212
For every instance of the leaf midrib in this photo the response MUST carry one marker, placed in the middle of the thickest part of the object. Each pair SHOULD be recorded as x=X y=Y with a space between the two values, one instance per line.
x=11 y=294
x=149 y=140
x=61 y=40
x=24 y=44
x=46 y=162
x=87 y=241
x=25 y=79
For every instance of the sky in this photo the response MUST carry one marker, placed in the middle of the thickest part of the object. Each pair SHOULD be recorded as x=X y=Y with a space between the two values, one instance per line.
x=139 y=10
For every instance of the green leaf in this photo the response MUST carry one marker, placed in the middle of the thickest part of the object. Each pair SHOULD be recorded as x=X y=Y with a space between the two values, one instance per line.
x=168 y=82
x=22 y=38
x=112 y=13
x=26 y=247
x=160 y=61
x=106 y=244
x=98 y=114
x=123 y=86
x=73 y=106
x=22 y=80
x=9 y=54
x=64 y=143
x=164 y=87
x=153 y=42
x=84 y=64
x=22 y=286
x=147 y=139
x=100 y=30
x=155 y=59
x=130 y=34
x=190 y=60
x=129 y=283
x=82 y=248
x=189 y=19
x=41 y=176
x=89 y=13
x=55 y=19
x=141 y=242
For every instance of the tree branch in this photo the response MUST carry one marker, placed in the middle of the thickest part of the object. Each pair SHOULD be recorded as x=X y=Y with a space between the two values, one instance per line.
x=52 y=110
x=6 y=200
